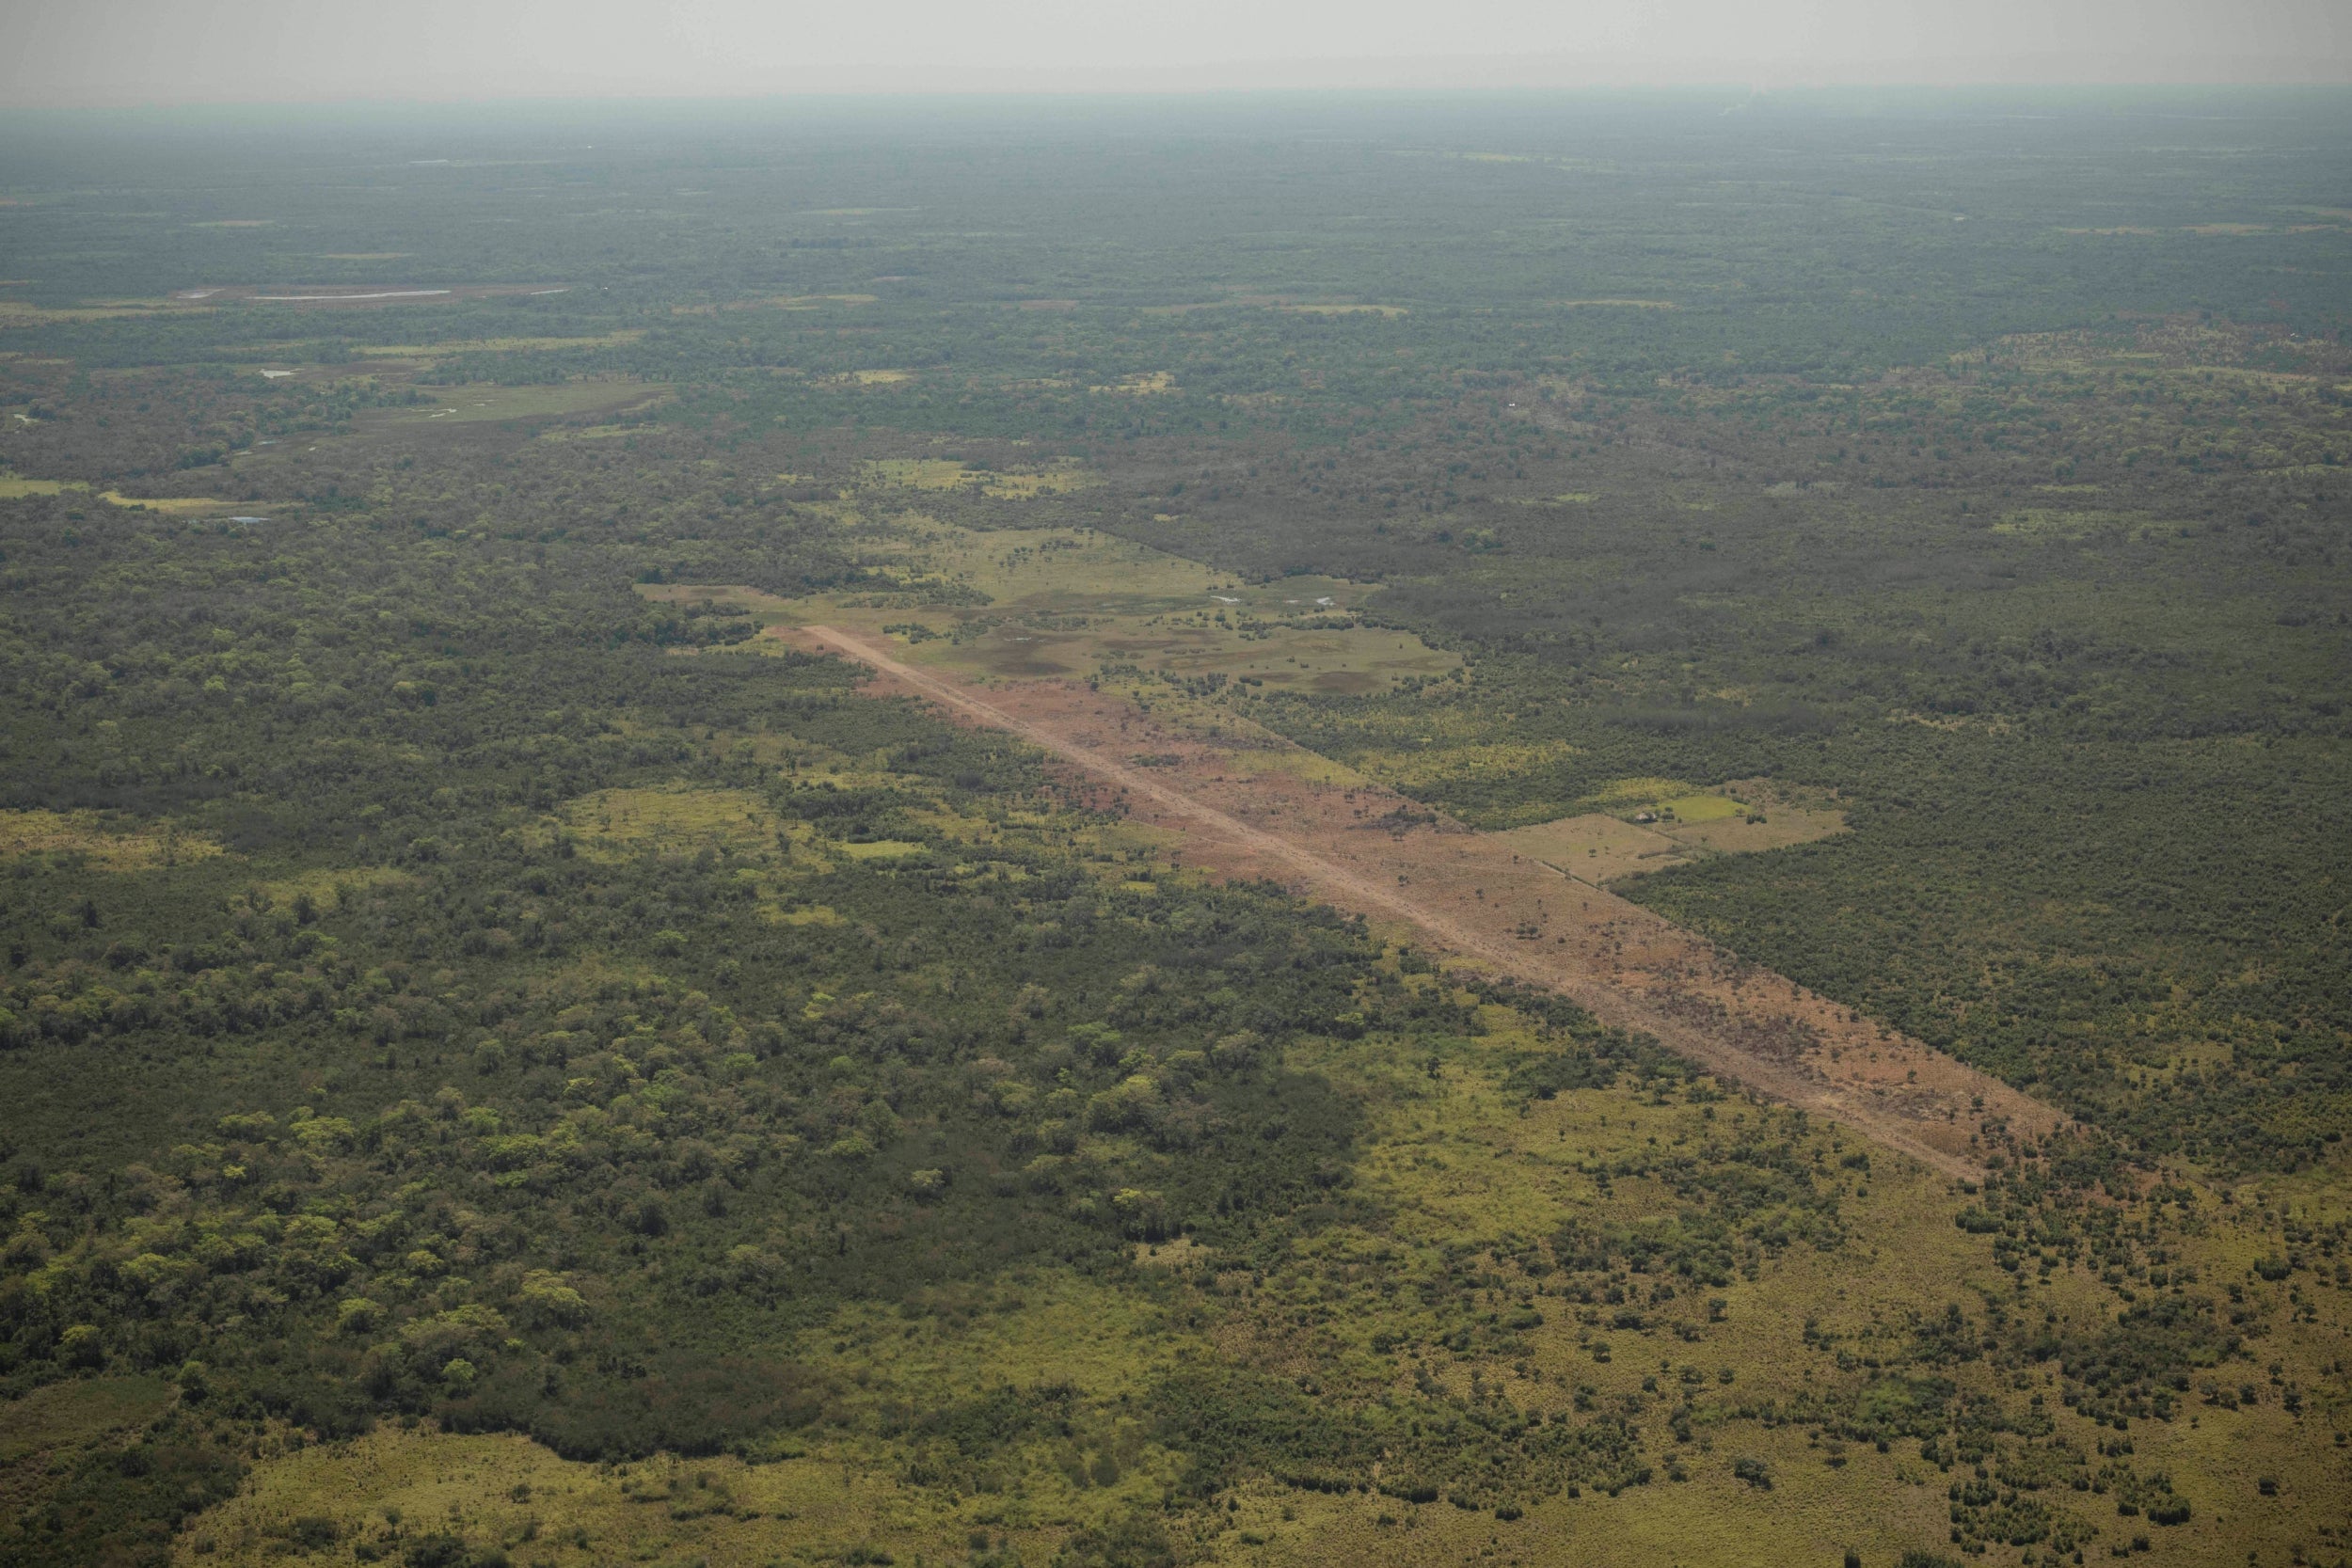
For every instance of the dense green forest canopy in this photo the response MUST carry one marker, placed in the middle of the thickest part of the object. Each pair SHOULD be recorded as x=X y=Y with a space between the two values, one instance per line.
x=449 y=993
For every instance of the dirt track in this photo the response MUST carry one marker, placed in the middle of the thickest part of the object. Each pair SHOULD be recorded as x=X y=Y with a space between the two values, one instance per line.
x=1364 y=848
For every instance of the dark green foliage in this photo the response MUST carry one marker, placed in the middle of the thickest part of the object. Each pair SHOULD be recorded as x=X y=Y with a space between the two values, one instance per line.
x=123 y=1506
x=1134 y=1542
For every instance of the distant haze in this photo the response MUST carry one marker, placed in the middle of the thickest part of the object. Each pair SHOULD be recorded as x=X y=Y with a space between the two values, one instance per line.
x=163 y=52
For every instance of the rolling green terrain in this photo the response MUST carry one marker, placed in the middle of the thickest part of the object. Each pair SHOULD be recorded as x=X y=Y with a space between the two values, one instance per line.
x=503 y=1061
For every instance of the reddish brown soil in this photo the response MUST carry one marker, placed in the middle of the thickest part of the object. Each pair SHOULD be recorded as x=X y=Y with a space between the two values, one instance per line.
x=1368 y=849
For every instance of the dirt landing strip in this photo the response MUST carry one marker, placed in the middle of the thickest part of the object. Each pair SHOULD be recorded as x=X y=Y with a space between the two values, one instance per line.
x=1365 y=849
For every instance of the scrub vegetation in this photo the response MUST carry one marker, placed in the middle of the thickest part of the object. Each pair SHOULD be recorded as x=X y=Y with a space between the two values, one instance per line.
x=506 y=1058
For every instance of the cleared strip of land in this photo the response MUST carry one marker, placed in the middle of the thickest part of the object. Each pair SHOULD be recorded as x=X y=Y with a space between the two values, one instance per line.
x=1249 y=808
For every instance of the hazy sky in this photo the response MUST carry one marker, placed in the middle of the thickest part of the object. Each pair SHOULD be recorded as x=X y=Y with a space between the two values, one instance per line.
x=137 y=51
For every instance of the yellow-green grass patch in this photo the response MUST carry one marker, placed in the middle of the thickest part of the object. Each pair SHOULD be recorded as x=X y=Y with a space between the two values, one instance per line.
x=1600 y=847
x=776 y=302
x=1142 y=384
x=597 y=432
x=173 y=505
x=1765 y=827
x=498 y=345
x=1052 y=1327
x=672 y=820
x=948 y=474
x=1063 y=603
x=920 y=473
x=1412 y=771
x=109 y=843
x=1637 y=794
x=1059 y=478
x=506 y=1492
x=874 y=848
x=14 y=313
x=1701 y=808
x=331 y=887
x=471 y=405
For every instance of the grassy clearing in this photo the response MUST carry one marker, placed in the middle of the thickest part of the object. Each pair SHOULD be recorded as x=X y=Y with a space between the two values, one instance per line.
x=676 y=819
x=19 y=313
x=1767 y=828
x=13 y=488
x=595 y=431
x=877 y=848
x=1593 y=847
x=1412 y=771
x=1701 y=808
x=177 y=506
x=1023 y=485
x=1070 y=603
x=948 y=474
x=1296 y=761
x=1631 y=796
x=101 y=841
x=1651 y=829
x=330 y=888
x=1142 y=384
x=496 y=345
x=471 y=405
x=778 y=302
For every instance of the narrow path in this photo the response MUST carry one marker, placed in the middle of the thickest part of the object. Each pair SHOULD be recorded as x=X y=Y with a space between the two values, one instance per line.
x=1741 y=1022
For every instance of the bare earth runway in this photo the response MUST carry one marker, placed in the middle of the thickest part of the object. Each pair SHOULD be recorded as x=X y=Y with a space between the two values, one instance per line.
x=1365 y=849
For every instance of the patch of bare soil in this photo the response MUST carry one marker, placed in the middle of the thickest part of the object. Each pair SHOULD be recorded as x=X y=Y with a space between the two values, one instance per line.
x=1365 y=849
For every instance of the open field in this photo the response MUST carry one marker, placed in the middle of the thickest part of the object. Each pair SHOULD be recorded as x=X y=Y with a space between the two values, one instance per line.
x=1652 y=830
x=108 y=843
x=1063 y=602
x=474 y=405
x=15 y=488
x=496 y=345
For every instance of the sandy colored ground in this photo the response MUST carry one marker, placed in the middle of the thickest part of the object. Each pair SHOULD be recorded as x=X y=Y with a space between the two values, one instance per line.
x=1365 y=849
x=1595 y=847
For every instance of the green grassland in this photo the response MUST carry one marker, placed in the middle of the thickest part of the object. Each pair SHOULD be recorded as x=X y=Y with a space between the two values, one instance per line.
x=470 y=405
x=1026 y=603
